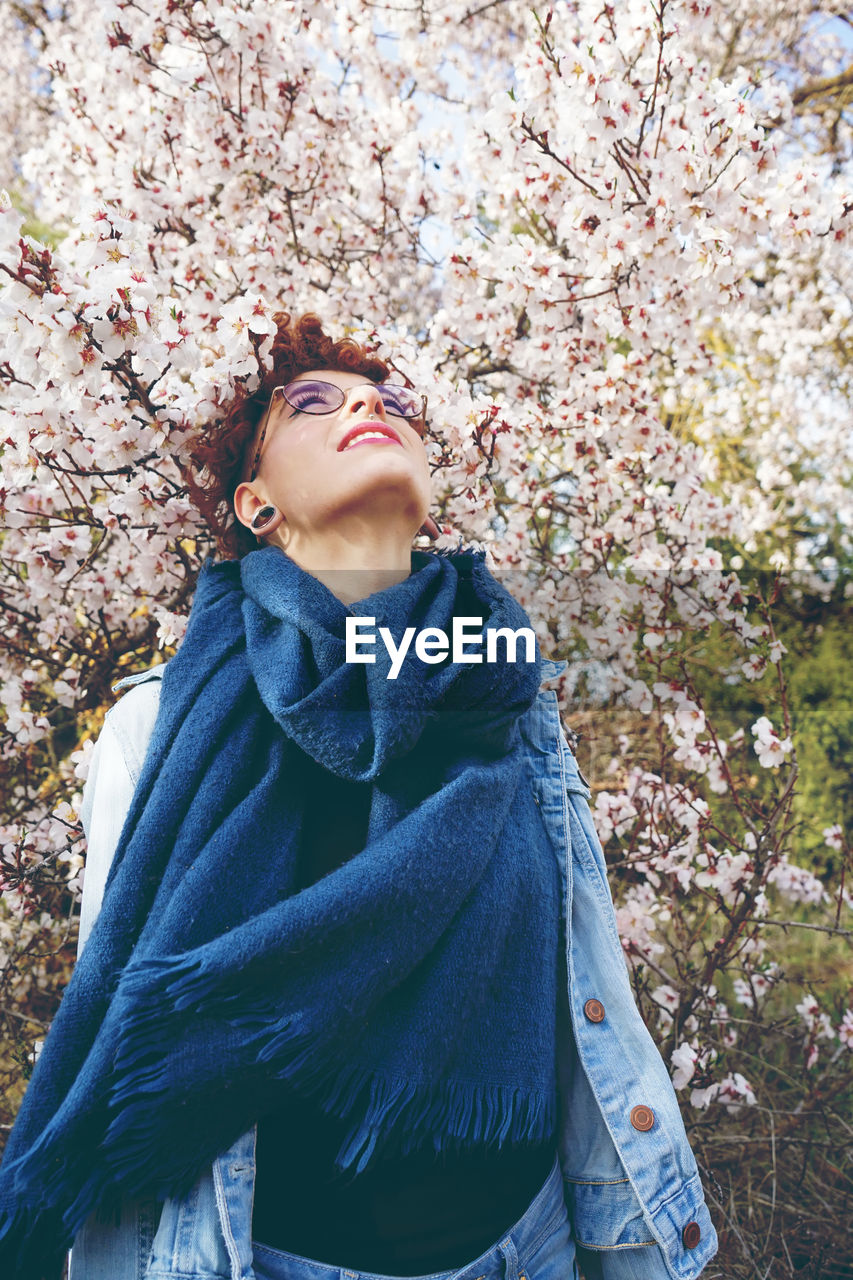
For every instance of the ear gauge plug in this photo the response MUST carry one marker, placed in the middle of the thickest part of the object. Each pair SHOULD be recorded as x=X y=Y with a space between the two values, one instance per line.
x=266 y=519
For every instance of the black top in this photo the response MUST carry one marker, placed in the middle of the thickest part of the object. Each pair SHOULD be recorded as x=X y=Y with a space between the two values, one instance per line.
x=403 y=1215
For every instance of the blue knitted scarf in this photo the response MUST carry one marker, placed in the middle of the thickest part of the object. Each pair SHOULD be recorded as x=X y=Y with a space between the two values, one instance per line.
x=411 y=992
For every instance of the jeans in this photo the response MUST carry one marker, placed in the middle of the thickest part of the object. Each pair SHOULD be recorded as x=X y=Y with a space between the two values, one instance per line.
x=538 y=1247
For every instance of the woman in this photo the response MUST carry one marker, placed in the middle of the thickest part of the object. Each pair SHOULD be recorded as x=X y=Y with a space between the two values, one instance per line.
x=329 y=1020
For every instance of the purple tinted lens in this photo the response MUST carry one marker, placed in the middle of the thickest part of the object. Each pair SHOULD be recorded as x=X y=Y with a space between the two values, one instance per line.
x=314 y=397
x=400 y=400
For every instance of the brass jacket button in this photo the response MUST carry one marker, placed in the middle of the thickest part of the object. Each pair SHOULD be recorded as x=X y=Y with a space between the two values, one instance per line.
x=594 y=1010
x=691 y=1235
x=642 y=1118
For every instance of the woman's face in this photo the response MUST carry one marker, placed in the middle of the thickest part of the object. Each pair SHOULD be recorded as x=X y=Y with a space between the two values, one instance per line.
x=311 y=470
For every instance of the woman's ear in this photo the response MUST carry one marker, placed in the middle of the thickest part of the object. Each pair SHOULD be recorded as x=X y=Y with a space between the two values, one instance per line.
x=430 y=528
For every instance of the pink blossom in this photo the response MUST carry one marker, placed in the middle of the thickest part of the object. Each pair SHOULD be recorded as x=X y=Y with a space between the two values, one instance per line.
x=845 y=1029
x=735 y=1092
x=770 y=749
x=684 y=1060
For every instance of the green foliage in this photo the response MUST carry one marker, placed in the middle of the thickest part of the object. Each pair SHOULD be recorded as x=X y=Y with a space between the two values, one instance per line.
x=818 y=668
x=820 y=685
x=33 y=226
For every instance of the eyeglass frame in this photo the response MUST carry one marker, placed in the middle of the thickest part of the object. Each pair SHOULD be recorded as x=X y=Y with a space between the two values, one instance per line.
x=284 y=386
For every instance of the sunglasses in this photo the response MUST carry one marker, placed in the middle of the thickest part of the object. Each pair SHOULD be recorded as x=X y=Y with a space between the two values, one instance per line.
x=311 y=395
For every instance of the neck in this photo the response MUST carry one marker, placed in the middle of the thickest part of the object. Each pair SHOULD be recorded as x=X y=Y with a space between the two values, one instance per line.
x=352 y=570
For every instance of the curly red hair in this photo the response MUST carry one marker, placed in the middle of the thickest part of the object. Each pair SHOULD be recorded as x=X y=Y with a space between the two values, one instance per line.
x=219 y=449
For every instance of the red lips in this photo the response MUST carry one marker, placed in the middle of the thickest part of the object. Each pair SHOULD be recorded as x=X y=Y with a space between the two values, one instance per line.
x=369 y=424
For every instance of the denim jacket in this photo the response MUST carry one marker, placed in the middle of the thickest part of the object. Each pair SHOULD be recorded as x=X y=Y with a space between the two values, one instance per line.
x=632 y=1187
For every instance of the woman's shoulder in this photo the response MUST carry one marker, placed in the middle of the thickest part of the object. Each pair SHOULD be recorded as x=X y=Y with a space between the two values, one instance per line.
x=131 y=719
x=141 y=677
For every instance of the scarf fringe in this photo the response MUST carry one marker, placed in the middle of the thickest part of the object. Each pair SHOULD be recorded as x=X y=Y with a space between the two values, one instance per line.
x=23 y=1248
x=28 y=1247
x=405 y=1115
x=386 y=1111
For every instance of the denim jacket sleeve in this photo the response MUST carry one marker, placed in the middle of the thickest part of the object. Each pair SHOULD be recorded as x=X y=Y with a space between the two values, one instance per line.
x=115 y=1250
x=614 y=1196
x=113 y=773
